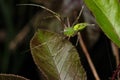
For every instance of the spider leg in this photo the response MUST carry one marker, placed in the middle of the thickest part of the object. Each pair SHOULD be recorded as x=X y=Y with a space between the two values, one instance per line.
x=77 y=42
x=47 y=9
x=80 y=13
x=68 y=38
x=68 y=22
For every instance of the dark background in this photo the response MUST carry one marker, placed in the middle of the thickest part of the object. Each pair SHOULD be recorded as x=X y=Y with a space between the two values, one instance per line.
x=18 y=24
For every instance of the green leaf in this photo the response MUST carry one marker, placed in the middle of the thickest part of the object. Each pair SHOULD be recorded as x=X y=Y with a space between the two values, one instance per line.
x=55 y=57
x=11 y=77
x=107 y=14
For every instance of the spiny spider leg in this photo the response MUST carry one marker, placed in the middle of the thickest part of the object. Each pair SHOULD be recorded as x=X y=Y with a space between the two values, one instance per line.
x=54 y=13
x=80 y=13
x=68 y=22
x=77 y=39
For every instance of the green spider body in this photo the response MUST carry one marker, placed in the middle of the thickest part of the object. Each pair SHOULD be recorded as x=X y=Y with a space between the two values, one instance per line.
x=71 y=31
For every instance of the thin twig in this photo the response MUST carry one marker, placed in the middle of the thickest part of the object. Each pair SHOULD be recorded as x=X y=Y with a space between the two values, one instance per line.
x=19 y=37
x=115 y=50
x=88 y=57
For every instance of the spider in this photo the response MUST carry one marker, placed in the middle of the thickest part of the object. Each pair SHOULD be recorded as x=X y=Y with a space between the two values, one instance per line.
x=69 y=31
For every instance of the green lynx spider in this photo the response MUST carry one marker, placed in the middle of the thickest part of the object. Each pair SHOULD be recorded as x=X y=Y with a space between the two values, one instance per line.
x=68 y=30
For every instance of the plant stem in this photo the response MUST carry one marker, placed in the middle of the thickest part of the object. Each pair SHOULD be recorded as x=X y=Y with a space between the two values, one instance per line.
x=115 y=50
x=88 y=57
